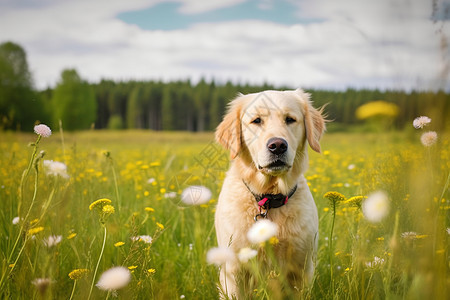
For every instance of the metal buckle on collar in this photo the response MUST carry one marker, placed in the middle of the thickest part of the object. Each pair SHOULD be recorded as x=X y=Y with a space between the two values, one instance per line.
x=261 y=215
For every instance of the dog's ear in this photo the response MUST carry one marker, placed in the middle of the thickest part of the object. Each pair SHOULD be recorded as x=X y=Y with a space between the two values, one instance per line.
x=228 y=133
x=314 y=122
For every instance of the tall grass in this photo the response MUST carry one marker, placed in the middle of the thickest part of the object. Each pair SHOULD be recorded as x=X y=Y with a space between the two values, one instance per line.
x=405 y=255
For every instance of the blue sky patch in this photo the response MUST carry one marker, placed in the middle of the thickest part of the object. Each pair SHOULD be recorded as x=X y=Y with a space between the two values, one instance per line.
x=166 y=16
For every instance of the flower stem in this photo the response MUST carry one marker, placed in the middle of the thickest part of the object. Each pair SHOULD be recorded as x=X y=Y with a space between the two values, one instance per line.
x=116 y=187
x=26 y=173
x=24 y=220
x=331 y=250
x=98 y=262
x=388 y=279
x=73 y=289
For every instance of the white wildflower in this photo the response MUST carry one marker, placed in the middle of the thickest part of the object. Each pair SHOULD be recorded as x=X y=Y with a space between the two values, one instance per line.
x=410 y=235
x=52 y=240
x=16 y=220
x=170 y=195
x=428 y=138
x=114 y=279
x=376 y=206
x=143 y=238
x=245 y=254
x=420 y=122
x=43 y=130
x=376 y=262
x=56 y=168
x=220 y=256
x=196 y=195
x=261 y=231
x=351 y=166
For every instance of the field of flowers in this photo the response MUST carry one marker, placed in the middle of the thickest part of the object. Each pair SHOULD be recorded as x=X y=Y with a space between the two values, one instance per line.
x=92 y=215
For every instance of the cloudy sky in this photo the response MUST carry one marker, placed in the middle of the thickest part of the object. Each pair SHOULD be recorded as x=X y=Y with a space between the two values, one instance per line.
x=386 y=44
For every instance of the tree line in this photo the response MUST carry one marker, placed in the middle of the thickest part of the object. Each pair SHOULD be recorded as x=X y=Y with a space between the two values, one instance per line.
x=179 y=105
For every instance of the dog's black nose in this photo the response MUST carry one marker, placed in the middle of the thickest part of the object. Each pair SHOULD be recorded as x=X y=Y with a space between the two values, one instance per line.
x=277 y=145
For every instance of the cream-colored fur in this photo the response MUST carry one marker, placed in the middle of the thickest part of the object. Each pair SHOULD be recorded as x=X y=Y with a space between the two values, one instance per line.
x=288 y=115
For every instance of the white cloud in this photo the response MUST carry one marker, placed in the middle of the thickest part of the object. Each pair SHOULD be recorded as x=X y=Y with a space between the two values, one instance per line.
x=375 y=44
x=201 y=6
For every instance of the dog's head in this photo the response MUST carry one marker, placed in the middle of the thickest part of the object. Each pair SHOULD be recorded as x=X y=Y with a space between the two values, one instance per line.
x=271 y=129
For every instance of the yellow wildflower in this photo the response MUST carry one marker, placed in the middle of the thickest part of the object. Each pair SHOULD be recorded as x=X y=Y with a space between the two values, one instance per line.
x=99 y=203
x=78 y=273
x=118 y=244
x=132 y=267
x=377 y=108
x=34 y=231
x=71 y=236
x=151 y=271
x=149 y=209
x=160 y=225
x=274 y=240
x=355 y=200
x=334 y=197
x=108 y=209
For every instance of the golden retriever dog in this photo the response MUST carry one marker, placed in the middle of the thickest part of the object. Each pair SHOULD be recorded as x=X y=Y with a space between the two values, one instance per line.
x=267 y=135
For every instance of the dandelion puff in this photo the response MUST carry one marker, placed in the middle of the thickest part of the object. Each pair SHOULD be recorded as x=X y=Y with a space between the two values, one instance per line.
x=114 y=279
x=220 y=255
x=196 y=195
x=56 y=168
x=42 y=284
x=421 y=121
x=245 y=254
x=428 y=138
x=52 y=240
x=43 y=130
x=376 y=206
x=262 y=231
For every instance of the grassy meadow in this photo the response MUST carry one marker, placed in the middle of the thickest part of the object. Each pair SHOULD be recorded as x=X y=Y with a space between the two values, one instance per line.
x=403 y=256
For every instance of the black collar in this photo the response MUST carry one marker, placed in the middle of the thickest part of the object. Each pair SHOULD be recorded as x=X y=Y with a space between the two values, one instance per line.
x=268 y=201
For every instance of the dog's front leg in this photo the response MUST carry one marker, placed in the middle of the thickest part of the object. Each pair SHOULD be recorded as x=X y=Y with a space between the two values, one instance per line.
x=228 y=288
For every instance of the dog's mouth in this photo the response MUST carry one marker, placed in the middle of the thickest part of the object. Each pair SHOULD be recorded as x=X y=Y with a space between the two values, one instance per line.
x=275 y=166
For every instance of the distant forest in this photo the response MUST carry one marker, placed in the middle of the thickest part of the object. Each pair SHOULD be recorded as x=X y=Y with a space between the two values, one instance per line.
x=200 y=107
x=181 y=105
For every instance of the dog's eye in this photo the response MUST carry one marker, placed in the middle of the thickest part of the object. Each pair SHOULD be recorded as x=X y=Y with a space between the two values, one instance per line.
x=289 y=120
x=257 y=121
